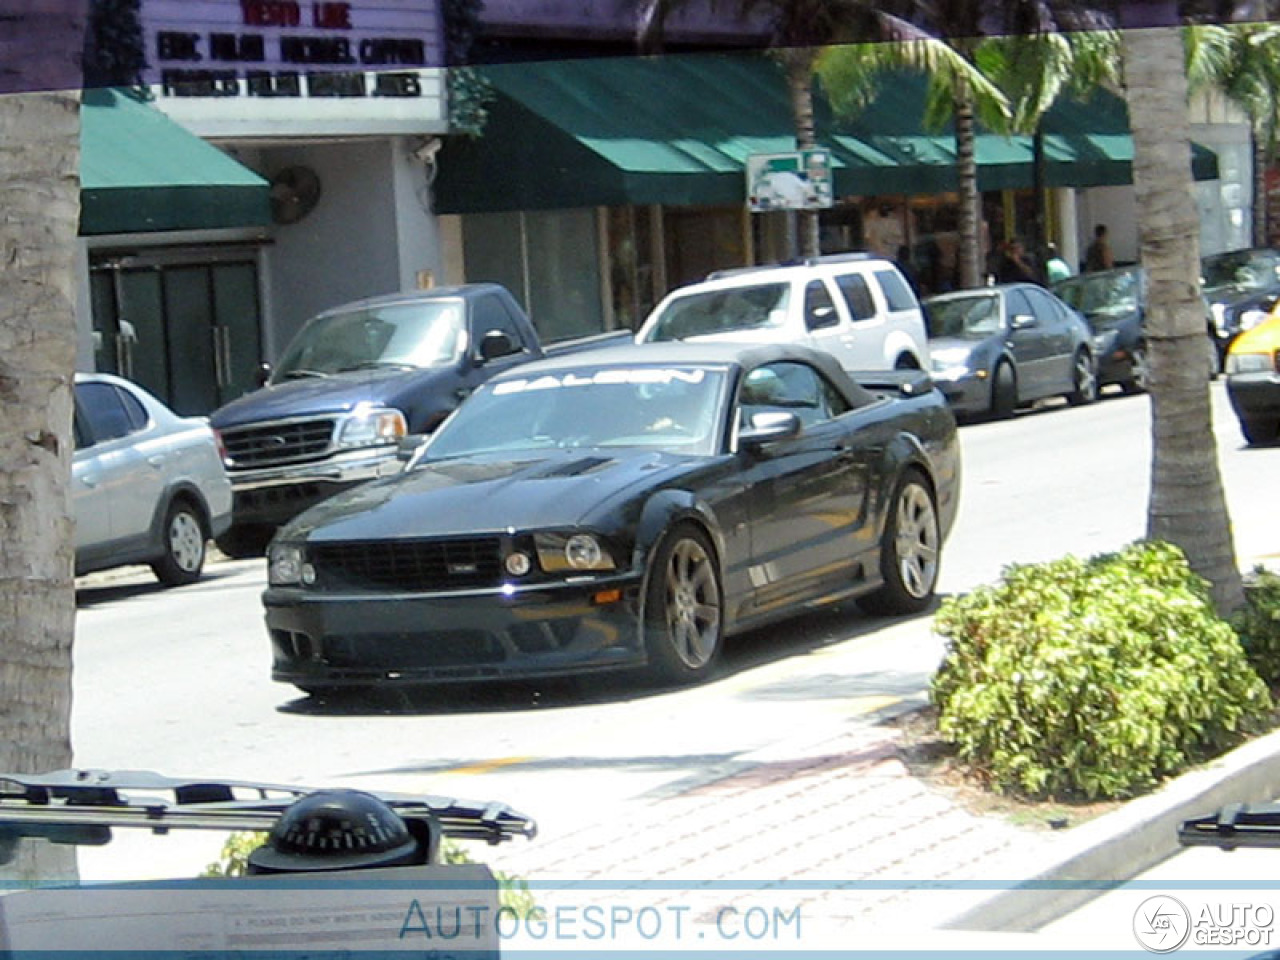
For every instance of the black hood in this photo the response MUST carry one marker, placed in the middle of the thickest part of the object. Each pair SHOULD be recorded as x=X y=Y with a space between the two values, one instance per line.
x=469 y=496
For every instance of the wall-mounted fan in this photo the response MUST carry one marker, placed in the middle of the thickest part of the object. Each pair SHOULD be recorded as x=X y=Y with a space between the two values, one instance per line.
x=295 y=191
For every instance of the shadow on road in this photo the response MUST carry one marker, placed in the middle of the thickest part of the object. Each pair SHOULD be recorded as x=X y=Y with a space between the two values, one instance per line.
x=794 y=637
x=130 y=582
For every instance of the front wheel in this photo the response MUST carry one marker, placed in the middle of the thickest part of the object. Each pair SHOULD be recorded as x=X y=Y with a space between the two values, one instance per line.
x=910 y=551
x=1004 y=392
x=683 y=607
x=1139 y=372
x=1084 y=380
x=1258 y=430
x=184 y=546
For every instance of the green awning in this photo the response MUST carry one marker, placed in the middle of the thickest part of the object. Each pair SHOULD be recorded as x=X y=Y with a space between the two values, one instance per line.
x=676 y=130
x=142 y=172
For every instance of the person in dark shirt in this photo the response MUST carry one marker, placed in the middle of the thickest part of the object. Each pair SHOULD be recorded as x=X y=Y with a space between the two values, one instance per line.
x=1098 y=256
x=1015 y=267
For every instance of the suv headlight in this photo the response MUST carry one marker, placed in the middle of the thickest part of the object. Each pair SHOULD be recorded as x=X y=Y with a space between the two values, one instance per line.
x=572 y=553
x=1251 y=318
x=368 y=426
x=287 y=566
x=1249 y=363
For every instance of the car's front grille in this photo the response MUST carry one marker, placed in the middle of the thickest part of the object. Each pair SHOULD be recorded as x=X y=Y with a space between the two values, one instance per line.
x=409 y=565
x=265 y=445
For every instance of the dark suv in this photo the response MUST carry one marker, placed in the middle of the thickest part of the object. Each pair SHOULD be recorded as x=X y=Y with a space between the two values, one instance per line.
x=1241 y=287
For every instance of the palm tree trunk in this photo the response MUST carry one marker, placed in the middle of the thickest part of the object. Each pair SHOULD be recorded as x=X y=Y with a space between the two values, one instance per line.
x=1187 y=506
x=967 y=177
x=39 y=192
x=799 y=67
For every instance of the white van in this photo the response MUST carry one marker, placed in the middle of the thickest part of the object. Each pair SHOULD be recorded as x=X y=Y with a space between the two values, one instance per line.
x=857 y=306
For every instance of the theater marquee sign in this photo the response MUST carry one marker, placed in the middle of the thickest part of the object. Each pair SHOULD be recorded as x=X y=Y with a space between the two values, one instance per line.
x=244 y=67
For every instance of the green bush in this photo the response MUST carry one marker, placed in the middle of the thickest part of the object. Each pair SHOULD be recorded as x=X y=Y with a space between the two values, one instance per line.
x=1091 y=679
x=1258 y=624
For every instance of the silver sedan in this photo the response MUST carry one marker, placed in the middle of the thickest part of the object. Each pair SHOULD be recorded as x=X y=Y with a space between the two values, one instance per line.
x=147 y=485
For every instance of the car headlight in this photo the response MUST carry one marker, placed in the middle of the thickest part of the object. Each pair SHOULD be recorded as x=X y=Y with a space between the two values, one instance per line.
x=1219 y=311
x=287 y=566
x=950 y=364
x=572 y=553
x=1249 y=363
x=369 y=426
x=1104 y=342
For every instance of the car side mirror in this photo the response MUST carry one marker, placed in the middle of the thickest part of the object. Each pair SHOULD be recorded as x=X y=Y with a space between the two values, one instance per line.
x=495 y=344
x=769 y=427
x=409 y=445
x=821 y=318
x=1023 y=321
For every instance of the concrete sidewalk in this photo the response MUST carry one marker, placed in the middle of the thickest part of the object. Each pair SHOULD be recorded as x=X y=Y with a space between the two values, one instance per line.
x=841 y=831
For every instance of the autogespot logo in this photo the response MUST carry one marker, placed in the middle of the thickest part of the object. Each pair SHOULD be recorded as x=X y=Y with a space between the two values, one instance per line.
x=1162 y=924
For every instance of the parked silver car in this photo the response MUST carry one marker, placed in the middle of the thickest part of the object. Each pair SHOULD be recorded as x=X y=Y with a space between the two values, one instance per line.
x=147 y=485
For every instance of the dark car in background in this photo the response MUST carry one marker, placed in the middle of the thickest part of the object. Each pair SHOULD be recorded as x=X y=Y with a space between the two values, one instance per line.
x=1241 y=286
x=618 y=509
x=994 y=349
x=1113 y=303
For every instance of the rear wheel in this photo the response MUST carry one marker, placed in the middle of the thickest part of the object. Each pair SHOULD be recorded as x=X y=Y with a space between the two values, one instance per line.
x=1004 y=392
x=1084 y=380
x=684 y=607
x=910 y=550
x=184 y=546
x=1139 y=372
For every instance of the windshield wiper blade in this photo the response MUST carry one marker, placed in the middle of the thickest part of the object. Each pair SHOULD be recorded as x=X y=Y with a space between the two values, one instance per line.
x=301 y=374
x=81 y=807
x=1235 y=825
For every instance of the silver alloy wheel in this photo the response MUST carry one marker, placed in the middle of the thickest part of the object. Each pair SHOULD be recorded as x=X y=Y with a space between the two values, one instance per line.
x=693 y=604
x=1086 y=380
x=917 y=541
x=186 y=541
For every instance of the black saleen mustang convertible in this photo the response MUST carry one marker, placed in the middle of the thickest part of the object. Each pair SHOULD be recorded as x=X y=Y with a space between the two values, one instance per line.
x=619 y=508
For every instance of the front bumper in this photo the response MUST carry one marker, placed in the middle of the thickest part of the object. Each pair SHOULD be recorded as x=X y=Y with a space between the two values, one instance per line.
x=1255 y=396
x=361 y=639
x=970 y=394
x=271 y=496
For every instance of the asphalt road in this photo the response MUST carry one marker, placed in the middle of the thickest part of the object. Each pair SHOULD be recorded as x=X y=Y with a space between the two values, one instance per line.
x=178 y=680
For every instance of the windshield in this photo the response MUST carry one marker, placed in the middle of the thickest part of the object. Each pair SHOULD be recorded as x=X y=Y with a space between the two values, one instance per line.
x=1246 y=270
x=406 y=335
x=719 y=311
x=1103 y=295
x=971 y=318
x=670 y=408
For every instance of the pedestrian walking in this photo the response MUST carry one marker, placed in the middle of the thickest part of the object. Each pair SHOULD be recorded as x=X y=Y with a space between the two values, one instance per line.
x=1098 y=256
x=1055 y=268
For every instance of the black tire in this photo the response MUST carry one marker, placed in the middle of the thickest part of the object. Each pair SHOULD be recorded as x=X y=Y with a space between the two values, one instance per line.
x=1258 y=431
x=684 y=607
x=240 y=543
x=185 y=539
x=1084 y=380
x=1139 y=372
x=910 y=550
x=1004 y=391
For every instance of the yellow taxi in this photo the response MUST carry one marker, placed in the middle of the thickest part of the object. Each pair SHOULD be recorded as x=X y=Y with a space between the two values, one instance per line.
x=1253 y=380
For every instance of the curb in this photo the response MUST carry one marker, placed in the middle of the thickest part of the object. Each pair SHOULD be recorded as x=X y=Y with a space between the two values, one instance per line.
x=1120 y=845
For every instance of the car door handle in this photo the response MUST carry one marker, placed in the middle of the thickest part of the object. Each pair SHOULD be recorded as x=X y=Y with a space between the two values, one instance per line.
x=89 y=479
x=156 y=460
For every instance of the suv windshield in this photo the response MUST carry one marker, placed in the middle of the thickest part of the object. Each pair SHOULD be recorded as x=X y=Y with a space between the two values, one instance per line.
x=670 y=408
x=1247 y=270
x=407 y=335
x=1103 y=295
x=971 y=318
x=719 y=311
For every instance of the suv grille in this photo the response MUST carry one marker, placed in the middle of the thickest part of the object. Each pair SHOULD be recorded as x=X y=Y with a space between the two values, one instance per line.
x=270 y=444
x=409 y=565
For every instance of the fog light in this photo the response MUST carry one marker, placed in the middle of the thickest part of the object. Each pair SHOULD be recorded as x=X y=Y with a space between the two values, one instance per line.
x=518 y=564
x=308 y=574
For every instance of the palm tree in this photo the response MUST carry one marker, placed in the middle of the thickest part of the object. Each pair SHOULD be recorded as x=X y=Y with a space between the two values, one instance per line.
x=1243 y=62
x=958 y=91
x=1187 y=506
x=39 y=191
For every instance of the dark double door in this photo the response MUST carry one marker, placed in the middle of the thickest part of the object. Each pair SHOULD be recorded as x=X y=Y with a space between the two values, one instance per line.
x=189 y=330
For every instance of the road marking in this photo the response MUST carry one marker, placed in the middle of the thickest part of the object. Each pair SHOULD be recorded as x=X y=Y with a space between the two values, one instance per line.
x=484 y=766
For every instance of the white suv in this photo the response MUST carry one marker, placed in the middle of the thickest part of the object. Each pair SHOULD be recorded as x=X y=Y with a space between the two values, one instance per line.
x=856 y=306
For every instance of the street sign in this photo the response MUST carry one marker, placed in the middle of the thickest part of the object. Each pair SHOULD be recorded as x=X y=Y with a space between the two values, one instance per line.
x=789 y=181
